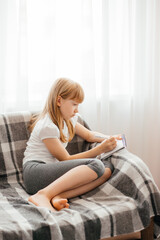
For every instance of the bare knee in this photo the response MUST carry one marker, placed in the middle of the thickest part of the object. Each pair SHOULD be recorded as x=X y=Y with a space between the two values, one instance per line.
x=107 y=174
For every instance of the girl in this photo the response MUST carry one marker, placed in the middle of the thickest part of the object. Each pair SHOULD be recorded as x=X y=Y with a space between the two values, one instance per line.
x=51 y=175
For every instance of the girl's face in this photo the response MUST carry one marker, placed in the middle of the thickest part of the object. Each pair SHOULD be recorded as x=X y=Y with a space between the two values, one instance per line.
x=68 y=107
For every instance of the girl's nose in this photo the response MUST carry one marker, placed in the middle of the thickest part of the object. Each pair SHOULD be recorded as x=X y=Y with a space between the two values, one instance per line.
x=76 y=110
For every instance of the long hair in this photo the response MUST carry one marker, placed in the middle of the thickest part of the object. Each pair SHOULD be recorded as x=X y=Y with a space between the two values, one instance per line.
x=67 y=89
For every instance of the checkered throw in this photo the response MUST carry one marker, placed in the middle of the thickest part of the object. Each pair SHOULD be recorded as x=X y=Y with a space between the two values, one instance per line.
x=124 y=204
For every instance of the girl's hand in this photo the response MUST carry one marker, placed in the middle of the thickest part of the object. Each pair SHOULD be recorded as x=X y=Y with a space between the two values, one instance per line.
x=118 y=136
x=108 y=145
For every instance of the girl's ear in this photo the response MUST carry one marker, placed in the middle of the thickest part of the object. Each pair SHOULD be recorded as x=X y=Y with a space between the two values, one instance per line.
x=59 y=101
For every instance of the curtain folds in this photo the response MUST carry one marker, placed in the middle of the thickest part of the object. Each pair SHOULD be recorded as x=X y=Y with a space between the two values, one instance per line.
x=112 y=47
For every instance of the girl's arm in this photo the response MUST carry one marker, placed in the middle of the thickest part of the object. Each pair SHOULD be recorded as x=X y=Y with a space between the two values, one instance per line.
x=91 y=136
x=58 y=151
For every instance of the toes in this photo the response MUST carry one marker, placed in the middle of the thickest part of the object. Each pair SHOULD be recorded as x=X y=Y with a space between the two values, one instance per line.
x=67 y=205
x=60 y=203
x=63 y=201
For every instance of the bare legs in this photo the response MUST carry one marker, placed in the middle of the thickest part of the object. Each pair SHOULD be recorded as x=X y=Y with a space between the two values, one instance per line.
x=82 y=189
x=75 y=182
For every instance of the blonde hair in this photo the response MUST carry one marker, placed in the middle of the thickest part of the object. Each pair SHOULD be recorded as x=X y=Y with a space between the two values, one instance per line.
x=67 y=89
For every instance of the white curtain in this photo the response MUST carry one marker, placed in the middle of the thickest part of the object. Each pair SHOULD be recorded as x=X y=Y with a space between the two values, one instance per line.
x=112 y=47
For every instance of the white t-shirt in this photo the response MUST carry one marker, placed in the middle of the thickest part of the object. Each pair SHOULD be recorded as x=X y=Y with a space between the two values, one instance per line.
x=45 y=128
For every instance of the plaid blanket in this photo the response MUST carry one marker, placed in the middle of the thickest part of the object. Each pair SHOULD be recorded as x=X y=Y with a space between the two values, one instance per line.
x=124 y=204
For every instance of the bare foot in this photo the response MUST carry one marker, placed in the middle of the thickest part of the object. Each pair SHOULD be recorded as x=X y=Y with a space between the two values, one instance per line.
x=60 y=203
x=41 y=200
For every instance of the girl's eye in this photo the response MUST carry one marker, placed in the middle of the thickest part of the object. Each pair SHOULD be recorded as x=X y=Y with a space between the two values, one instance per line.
x=75 y=104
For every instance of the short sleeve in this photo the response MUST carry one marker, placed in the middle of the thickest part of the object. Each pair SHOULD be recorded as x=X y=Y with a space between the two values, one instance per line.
x=50 y=131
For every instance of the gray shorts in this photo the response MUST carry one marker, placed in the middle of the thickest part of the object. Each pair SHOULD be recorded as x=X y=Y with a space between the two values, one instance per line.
x=38 y=174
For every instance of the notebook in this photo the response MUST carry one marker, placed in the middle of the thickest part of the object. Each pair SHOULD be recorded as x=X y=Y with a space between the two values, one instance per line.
x=120 y=145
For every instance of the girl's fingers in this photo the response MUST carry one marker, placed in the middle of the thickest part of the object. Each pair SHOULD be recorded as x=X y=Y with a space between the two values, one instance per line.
x=118 y=137
x=112 y=139
x=109 y=144
x=112 y=143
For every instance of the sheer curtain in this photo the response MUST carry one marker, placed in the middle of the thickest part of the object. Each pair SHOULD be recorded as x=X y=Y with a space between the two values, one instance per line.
x=112 y=47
